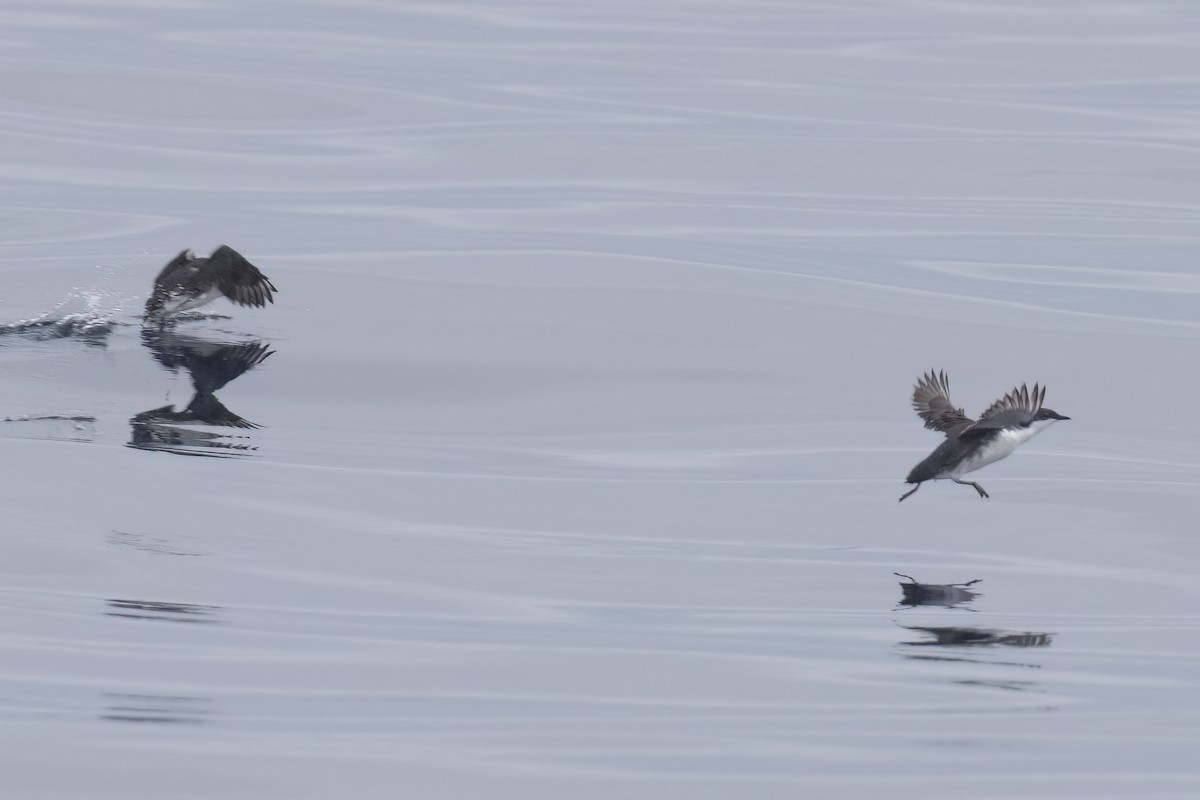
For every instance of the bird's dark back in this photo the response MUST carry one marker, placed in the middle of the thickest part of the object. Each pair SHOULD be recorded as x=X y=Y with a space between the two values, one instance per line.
x=947 y=454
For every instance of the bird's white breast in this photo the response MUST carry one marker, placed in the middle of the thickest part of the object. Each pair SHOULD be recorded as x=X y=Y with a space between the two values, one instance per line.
x=182 y=301
x=1007 y=440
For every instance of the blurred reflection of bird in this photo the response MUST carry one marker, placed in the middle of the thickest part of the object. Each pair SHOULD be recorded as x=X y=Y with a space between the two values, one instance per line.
x=211 y=366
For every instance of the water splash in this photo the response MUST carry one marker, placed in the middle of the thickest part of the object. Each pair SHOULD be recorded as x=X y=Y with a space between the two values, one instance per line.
x=88 y=314
x=78 y=427
x=196 y=314
x=77 y=418
x=89 y=328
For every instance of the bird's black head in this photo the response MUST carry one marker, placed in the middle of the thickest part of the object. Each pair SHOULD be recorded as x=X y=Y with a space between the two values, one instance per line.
x=1046 y=413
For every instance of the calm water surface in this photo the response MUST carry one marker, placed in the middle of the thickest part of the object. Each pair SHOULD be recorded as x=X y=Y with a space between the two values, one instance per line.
x=566 y=464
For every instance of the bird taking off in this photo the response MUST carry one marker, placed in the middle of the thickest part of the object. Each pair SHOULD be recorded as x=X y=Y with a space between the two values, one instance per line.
x=189 y=282
x=970 y=444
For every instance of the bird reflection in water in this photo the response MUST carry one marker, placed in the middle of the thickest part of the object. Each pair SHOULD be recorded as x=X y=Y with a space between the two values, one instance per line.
x=155 y=708
x=973 y=649
x=949 y=595
x=958 y=636
x=962 y=643
x=211 y=366
x=156 y=610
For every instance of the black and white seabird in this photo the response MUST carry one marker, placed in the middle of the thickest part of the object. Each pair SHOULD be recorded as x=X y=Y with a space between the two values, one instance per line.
x=970 y=444
x=190 y=282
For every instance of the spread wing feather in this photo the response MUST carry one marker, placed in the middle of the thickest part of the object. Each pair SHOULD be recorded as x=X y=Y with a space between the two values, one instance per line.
x=1018 y=407
x=241 y=281
x=1020 y=400
x=931 y=400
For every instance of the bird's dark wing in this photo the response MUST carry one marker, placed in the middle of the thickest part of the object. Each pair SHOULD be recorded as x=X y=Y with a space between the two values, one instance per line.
x=169 y=280
x=239 y=280
x=183 y=259
x=931 y=400
x=1017 y=408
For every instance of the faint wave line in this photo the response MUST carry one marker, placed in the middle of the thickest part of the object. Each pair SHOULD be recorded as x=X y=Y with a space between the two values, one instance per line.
x=1164 y=282
x=948 y=298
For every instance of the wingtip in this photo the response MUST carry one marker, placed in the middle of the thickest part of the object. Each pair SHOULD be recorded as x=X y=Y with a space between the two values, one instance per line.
x=934 y=377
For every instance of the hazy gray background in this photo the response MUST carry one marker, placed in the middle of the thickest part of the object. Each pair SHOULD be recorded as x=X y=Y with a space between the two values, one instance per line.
x=589 y=405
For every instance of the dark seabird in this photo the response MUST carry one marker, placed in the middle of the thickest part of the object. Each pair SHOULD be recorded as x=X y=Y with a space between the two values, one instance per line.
x=970 y=444
x=190 y=282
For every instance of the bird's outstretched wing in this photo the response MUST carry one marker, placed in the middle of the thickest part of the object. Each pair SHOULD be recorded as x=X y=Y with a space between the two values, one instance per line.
x=931 y=400
x=239 y=280
x=1018 y=407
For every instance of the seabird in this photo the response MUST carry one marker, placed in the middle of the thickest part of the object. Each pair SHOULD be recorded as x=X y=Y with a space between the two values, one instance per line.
x=970 y=444
x=190 y=282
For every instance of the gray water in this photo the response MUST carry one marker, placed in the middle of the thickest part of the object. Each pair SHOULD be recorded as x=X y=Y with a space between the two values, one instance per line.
x=566 y=463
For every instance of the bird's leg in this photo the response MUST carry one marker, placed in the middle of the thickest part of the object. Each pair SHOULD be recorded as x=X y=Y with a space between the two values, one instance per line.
x=978 y=488
x=910 y=491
